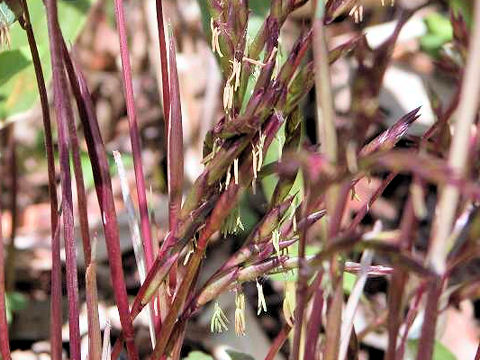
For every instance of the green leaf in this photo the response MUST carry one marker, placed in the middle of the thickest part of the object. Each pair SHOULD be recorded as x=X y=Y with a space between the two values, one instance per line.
x=14 y=301
x=18 y=89
x=439 y=32
x=198 y=355
x=440 y=352
x=236 y=355
x=348 y=282
x=87 y=171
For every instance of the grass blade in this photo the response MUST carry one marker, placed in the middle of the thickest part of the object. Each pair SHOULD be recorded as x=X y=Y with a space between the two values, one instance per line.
x=175 y=142
x=163 y=62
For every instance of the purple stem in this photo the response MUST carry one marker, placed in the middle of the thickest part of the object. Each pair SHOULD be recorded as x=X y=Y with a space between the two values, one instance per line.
x=56 y=276
x=103 y=185
x=64 y=114
x=315 y=322
x=134 y=134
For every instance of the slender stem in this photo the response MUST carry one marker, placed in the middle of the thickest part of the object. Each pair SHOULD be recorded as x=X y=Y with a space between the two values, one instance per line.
x=134 y=133
x=278 y=342
x=94 y=333
x=457 y=160
x=56 y=276
x=94 y=338
x=301 y=288
x=4 y=342
x=64 y=115
x=447 y=206
x=81 y=194
x=327 y=134
x=315 y=322
x=427 y=339
x=399 y=280
x=103 y=185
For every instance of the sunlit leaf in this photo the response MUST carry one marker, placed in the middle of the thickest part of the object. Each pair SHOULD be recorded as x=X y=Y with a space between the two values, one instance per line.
x=18 y=89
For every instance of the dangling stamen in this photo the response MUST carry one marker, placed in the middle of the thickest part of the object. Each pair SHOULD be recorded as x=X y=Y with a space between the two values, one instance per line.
x=261 y=304
x=261 y=144
x=235 y=170
x=236 y=69
x=228 y=94
x=254 y=162
x=215 y=34
x=276 y=241
x=219 y=321
x=253 y=61
x=240 y=323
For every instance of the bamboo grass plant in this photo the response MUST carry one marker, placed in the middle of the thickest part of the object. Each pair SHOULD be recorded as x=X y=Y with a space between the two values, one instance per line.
x=262 y=96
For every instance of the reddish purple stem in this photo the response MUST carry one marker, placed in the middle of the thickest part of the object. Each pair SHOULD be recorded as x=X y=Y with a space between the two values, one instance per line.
x=103 y=185
x=64 y=114
x=134 y=134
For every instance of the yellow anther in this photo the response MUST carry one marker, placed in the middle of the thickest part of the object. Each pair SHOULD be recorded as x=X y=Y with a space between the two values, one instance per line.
x=240 y=323
x=215 y=42
x=235 y=171
x=261 y=304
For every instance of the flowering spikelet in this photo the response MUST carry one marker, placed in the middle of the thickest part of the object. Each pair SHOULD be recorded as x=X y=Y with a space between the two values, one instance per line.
x=240 y=313
x=232 y=84
x=219 y=321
